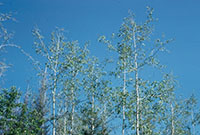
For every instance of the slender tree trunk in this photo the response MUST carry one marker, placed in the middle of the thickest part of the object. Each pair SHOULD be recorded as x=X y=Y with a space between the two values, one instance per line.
x=172 y=120
x=104 y=118
x=136 y=87
x=43 y=96
x=55 y=86
x=54 y=105
x=72 y=115
x=124 y=102
x=93 y=106
x=193 y=127
x=93 y=112
x=138 y=104
x=65 y=119
x=73 y=104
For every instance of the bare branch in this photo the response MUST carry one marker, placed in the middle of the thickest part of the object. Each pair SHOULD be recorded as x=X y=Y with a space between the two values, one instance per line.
x=23 y=52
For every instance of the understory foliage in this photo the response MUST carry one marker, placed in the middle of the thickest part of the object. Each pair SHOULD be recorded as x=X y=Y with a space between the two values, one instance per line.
x=80 y=94
x=16 y=118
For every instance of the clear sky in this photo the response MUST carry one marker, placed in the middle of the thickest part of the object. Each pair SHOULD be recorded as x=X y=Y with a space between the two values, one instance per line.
x=85 y=20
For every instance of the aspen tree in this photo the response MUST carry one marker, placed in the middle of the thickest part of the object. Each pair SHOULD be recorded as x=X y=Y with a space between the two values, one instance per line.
x=75 y=59
x=135 y=50
x=96 y=110
x=52 y=53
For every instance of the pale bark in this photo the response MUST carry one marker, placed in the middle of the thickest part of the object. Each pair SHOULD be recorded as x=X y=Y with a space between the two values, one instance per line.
x=55 y=86
x=72 y=114
x=93 y=106
x=73 y=104
x=124 y=101
x=193 y=126
x=93 y=112
x=43 y=93
x=65 y=119
x=172 y=120
x=136 y=86
x=54 y=105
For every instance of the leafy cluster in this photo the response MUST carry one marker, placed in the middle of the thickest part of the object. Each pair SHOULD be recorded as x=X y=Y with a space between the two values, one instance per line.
x=16 y=118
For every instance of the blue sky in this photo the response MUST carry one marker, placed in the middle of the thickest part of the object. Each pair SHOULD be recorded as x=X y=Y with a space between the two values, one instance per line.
x=85 y=20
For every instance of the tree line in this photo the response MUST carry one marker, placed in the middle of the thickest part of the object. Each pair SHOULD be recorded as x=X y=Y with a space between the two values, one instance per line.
x=81 y=94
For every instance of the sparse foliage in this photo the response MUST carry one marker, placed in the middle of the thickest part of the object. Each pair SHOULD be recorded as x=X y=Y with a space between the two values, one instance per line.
x=80 y=95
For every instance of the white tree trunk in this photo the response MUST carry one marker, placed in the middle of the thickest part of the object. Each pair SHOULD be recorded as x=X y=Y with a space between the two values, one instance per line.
x=44 y=89
x=92 y=112
x=72 y=115
x=136 y=86
x=124 y=100
x=55 y=86
x=172 y=120
x=54 y=112
x=65 y=119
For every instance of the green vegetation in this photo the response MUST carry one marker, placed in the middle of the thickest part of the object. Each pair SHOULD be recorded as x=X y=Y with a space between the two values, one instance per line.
x=80 y=94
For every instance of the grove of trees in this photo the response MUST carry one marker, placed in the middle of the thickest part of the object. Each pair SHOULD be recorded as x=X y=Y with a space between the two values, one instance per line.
x=81 y=94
